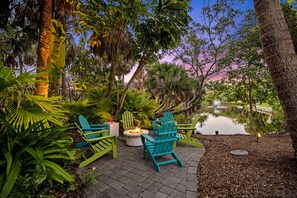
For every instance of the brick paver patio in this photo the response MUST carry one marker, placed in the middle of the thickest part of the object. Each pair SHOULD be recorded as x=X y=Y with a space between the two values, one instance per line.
x=131 y=176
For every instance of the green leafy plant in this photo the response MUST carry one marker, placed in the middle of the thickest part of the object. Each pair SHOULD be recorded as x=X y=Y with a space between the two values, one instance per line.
x=34 y=149
x=141 y=105
x=95 y=107
x=23 y=109
x=91 y=177
x=82 y=107
x=27 y=185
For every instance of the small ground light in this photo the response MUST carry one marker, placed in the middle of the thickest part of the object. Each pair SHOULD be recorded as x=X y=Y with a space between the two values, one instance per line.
x=258 y=136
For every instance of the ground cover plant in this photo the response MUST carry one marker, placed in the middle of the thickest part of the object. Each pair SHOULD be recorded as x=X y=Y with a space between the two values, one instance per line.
x=32 y=156
x=32 y=142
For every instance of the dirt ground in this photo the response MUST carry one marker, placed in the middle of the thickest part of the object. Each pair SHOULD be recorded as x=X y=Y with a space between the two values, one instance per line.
x=269 y=170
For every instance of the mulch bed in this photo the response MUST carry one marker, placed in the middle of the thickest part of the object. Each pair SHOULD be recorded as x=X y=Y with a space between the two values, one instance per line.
x=269 y=170
x=67 y=190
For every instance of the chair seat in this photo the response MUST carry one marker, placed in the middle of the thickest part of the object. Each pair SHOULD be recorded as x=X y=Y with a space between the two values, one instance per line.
x=189 y=140
x=99 y=146
x=88 y=128
x=102 y=145
x=189 y=128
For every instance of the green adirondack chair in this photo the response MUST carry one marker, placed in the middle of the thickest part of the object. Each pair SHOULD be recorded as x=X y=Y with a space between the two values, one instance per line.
x=188 y=129
x=168 y=116
x=161 y=145
x=87 y=128
x=129 y=122
x=98 y=146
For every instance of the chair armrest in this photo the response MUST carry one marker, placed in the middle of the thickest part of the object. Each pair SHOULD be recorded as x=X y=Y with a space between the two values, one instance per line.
x=147 y=137
x=99 y=125
x=135 y=120
x=156 y=121
x=186 y=128
x=104 y=132
x=101 y=138
x=93 y=129
x=183 y=125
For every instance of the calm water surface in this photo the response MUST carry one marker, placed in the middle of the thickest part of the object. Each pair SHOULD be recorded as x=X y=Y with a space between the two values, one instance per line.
x=222 y=124
x=234 y=120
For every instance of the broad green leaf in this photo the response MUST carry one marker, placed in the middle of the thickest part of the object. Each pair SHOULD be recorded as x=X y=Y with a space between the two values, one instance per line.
x=58 y=170
x=11 y=179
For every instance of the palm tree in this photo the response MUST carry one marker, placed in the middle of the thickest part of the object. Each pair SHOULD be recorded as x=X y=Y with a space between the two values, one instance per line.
x=281 y=59
x=43 y=51
x=170 y=84
x=51 y=62
x=20 y=107
x=116 y=47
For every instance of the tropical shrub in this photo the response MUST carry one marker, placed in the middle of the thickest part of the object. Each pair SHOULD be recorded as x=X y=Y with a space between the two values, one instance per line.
x=95 y=107
x=140 y=104
x=104 y=108
x=76 y=108
x=32 y=140
x=36 y=151
x=99 y=108
x=23 y=109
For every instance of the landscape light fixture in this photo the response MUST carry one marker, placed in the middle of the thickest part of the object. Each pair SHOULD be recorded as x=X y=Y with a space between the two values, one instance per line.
x=258 y=136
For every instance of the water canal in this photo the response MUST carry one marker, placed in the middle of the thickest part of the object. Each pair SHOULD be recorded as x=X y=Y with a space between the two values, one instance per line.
x=234 y=120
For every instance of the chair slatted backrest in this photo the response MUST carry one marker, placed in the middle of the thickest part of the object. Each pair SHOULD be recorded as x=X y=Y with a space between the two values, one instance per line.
x=87 y=127
x=168 y=116
x=193 y=124
x=83 y=122
x=165 y=138
x=128 y=120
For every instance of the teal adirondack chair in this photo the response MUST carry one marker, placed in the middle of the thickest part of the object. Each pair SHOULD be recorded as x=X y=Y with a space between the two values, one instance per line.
x=188 y=129
x=129 y=121
x=168 y=116
x=87 y=128
x=161 y=145
x=99 y=146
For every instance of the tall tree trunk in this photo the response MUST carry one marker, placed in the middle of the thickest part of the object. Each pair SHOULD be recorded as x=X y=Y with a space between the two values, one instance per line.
x=250 y=99
x=21 y=64
x=141 y=65
x=114 y=62
x=281 y=59
x=111 y=79
x=64 y=86
x=43 y=51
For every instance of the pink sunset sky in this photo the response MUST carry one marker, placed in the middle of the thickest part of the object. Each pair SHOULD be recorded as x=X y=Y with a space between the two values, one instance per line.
x=195 y=14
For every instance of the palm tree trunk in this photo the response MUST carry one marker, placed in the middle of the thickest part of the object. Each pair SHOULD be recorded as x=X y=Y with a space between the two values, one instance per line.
x=281 y=59
x=43 y=51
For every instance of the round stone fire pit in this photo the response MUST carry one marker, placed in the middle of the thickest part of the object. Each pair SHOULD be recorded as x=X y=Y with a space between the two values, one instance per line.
x=133 y=138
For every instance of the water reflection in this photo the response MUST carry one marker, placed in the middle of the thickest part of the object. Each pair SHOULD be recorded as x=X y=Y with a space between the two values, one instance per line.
x=222 y=124
x=234 y=120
